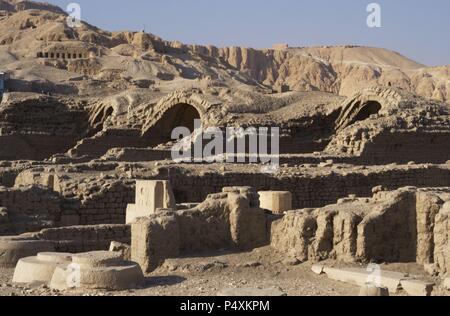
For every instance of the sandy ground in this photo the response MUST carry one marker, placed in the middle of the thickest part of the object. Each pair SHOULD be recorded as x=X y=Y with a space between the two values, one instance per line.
x=206 y=276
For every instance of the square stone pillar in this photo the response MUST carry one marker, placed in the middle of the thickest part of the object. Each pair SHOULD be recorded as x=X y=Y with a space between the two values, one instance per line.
x=150 y=196
x=155 y=239
x=277 y=202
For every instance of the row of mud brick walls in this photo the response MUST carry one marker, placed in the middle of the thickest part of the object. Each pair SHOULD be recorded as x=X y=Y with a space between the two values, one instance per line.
x=307 y=191
x=108 y=205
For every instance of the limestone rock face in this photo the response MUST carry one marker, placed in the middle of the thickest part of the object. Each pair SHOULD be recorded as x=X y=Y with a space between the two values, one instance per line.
x=343 y=69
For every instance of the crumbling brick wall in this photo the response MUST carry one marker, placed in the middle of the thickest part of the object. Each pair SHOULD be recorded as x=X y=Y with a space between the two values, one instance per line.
x=28 y=209
x=98 y=145
x=106 y=204
x=407 y=225
x=39 y=127
x=228 y=220
x=76 y=239
x=312 y=190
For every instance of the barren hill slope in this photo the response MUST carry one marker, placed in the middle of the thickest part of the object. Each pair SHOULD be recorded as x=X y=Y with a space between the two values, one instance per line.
x=120 y=60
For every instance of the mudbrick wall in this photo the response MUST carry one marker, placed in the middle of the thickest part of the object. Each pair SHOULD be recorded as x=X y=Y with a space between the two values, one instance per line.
x=312 y=190
x=38 y=127
x=98 y=145
x=106 y=205
x=406 y=225
x=85 y=238
x=28 y=209
x=408 y=146
x=103 y=200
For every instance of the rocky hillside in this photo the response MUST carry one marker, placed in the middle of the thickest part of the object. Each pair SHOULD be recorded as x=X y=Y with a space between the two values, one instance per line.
x=342 y=70
x=119 y=60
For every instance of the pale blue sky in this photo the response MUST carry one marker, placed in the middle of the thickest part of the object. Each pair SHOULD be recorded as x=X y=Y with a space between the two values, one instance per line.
x=418 y=29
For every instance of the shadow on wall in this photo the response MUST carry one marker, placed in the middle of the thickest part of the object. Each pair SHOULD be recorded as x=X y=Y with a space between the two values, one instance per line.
x=179 y=115
x=356 y=112
x=367 y=109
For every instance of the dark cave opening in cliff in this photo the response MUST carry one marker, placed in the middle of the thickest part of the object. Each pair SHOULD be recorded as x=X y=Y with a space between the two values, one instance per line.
x=179 y=115
x=368 y=109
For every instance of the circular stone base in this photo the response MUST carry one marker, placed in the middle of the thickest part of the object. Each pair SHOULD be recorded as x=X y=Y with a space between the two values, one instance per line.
x=14 y=248
x=115 y=278
x=58 y=257
x=97 y=259
x=33 y=269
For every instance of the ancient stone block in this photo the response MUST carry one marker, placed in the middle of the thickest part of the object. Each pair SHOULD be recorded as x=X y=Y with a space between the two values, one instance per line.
x=389 y=231
x=40 y=268
x=362 y=277
x=98 y=270
x=276 y=201
x=427 y=207
x=293 y=234
x=248 y=225
x=154 y=239
x=150 y=195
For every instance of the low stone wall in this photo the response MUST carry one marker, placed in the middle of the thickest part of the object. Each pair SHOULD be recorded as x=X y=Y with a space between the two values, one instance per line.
x=98 y=145
x=106 y=205
x=28 y=209
x=136 y=154
x=407 y=225
x=312 y=190
x=76 y=239
x=228 y=220
x=96 y=200
x=402 y=147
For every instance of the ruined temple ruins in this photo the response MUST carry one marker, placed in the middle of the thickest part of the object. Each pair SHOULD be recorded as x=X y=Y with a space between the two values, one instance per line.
x=85 y=157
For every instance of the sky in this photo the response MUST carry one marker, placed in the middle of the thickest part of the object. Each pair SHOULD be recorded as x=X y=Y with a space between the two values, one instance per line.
x=417 y=29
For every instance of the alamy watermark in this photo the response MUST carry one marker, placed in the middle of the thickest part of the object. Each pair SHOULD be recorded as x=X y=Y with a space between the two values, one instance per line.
x=254 y=145
x=73 y=279
x=374 y=18
x=73 y=19
x=374 y=278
